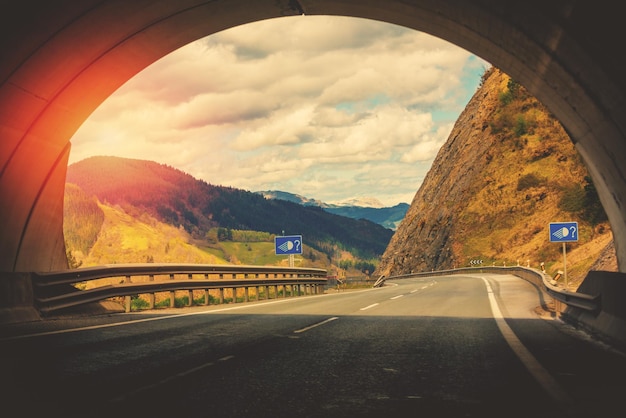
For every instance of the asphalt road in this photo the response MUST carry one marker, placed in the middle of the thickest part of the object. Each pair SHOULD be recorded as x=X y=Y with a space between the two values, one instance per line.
x=454 y=346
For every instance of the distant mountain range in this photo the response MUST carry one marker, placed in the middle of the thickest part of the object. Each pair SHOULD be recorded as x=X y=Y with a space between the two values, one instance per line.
x=178 y=199
x=370 y=208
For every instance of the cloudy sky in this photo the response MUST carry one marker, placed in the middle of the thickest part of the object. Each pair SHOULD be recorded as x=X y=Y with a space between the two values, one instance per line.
x=331 y=108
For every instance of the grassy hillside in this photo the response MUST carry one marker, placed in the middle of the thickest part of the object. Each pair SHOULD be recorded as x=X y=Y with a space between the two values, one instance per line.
x=126 y=239
x=176 y=198
x=83 y=219
x=122 y=237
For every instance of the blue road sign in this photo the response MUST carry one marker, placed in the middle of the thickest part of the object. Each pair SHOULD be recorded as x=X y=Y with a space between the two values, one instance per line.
x=288 y=245
x=563 y=231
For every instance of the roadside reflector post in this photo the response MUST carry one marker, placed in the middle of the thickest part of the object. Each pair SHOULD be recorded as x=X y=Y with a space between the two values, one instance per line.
x=127 y=298
x=565 y=267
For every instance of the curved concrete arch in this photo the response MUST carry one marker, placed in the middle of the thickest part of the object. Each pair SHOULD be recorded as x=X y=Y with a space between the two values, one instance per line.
x=61 y=59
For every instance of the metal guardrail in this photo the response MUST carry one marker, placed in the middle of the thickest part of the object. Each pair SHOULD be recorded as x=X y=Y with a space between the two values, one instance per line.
x=579 y=300
x=54 y=291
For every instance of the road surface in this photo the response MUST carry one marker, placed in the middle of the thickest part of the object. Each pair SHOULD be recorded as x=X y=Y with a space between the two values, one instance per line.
x=452 y=346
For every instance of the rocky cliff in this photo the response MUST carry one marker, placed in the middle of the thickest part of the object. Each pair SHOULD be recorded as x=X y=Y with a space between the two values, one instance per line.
x=507 y=170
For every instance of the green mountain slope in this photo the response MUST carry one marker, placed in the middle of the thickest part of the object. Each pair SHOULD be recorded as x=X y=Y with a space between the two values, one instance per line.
x=145 y=188
x=97 y=234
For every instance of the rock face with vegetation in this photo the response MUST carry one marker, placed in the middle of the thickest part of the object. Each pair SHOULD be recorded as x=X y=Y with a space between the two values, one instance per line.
x=507 y=170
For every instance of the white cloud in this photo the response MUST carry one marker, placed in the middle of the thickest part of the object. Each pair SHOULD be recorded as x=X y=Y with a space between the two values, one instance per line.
x=327 y=107
x=287 y=126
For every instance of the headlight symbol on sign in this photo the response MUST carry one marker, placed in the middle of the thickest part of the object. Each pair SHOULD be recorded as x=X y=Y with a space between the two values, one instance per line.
x=286 y=246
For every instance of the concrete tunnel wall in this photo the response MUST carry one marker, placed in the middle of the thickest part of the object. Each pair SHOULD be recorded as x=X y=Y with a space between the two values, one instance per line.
x=61 y=59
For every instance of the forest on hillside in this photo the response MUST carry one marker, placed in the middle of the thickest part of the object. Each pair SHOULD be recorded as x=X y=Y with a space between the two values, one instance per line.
x=176 y=198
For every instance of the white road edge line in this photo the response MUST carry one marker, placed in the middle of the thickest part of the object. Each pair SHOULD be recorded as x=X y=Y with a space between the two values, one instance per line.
x=541 y=375
x=368 y=307
x=298 y=331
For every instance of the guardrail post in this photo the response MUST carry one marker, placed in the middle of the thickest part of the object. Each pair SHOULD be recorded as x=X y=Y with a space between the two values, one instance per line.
x=190 y=292
x=172 y=295
x=557 y=306
x=206 y=296
x=127 y=298
x=246 y=293
x=151 y=296
x=221 y=295
x=234 y=295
